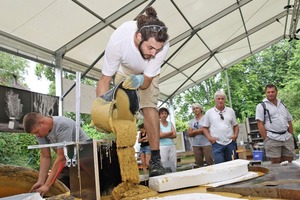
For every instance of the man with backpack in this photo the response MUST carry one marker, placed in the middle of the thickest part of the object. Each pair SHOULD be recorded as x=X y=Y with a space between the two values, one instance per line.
x=275 y=126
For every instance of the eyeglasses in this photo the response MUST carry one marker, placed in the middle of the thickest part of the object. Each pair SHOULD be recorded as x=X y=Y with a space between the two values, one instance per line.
x=221 y=116
x=155 y=28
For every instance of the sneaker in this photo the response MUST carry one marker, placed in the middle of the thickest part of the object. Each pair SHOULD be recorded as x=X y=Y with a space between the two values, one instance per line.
x=156 y=168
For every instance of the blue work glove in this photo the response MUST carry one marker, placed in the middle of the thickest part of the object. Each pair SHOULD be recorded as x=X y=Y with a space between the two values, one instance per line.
x=133 y=82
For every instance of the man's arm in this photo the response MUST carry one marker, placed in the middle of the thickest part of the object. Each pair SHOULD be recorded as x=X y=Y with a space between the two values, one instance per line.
x=103 y=85
x=147 y=82
x=59 y=163
x=290 y=129
x=55 y=171
x=260 y=117
x=261 y=129
x=45 y=162
x=208 y=136
x=235 y=132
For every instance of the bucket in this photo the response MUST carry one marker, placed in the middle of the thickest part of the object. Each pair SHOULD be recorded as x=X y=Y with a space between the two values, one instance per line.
x=118 y=103
x=257 y=154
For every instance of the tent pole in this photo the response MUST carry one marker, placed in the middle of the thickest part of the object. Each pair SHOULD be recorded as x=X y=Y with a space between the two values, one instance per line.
x=228 y=88
x=172 y=113
x=58 y=83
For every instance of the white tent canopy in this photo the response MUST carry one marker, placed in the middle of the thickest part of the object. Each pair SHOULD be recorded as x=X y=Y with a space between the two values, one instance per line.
x=206 y=37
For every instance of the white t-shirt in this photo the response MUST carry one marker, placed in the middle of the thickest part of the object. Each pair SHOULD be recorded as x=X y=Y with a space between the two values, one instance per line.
x=123 y=57
x=280 y=117
x=221 y=129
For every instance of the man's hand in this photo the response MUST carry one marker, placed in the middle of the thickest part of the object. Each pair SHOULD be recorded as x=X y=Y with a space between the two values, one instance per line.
x=35 y=186
x=42 y=190
x=233 y=137
x=212 y=140
x=133 y=82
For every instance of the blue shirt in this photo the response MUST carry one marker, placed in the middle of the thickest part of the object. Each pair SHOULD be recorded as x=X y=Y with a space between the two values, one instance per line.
x=166 y=141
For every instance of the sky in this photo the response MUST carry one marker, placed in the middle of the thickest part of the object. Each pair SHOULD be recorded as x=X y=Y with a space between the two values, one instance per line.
x=35 y=85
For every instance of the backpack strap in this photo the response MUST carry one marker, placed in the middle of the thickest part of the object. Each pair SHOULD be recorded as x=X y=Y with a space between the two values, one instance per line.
x=263 y=104
x=283 y=104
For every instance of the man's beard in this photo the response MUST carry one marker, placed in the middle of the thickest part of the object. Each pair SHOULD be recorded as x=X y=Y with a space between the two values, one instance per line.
x=141 y=52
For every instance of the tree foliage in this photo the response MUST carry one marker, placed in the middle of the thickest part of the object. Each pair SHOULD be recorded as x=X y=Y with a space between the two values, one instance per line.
x=11 y=68
x=277 y=64
x=49 y=73
x=14 y=151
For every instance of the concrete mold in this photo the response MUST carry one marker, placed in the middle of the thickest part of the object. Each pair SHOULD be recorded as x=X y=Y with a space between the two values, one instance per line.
x=19 y=180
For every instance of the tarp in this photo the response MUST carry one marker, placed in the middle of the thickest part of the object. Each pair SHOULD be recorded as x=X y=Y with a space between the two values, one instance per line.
x=206 y=37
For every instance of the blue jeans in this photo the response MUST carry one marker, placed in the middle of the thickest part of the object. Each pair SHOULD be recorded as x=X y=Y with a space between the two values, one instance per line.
x=223 y=153
x=145 y=150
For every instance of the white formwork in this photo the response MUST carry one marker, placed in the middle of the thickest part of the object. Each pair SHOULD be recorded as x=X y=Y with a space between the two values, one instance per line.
x=200 y=176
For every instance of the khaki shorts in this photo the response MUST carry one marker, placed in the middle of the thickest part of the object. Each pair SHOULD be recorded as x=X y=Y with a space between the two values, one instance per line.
x=149 y=96
x=277 y=149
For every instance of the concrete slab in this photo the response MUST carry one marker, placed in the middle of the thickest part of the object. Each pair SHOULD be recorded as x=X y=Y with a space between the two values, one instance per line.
x=200 y=176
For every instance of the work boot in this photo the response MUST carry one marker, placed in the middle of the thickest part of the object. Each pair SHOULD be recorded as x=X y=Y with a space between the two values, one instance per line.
x=155 y=166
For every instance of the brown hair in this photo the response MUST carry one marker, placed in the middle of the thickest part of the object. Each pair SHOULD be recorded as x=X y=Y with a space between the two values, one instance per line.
x=163 y=109
x=141 y=126
x=30 y=120
x=269 y=85
x=146 y=23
